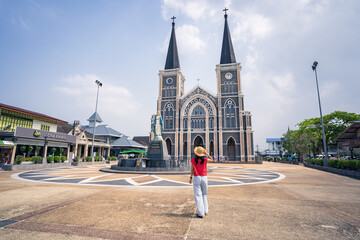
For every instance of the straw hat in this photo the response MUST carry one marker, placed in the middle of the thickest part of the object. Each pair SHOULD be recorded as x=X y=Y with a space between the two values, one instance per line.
x=199 y=151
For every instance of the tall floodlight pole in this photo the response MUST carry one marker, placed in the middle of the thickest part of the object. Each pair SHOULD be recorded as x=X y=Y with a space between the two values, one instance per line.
x=322 y=122
x=99 y=84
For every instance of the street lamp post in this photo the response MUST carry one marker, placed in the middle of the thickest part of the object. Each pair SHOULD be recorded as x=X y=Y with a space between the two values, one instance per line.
x=99 y=84
x=322 y=122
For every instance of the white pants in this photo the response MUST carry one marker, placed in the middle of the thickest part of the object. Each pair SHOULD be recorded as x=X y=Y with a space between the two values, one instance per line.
x=200 y=192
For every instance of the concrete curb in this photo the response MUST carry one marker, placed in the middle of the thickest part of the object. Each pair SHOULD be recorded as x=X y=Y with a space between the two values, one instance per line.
x=343 y=172
x=24 y=167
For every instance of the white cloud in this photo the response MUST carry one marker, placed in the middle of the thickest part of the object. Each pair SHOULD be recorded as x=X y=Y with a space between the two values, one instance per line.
x=188 y=39
x=284 y=83
x=113 y=99
x=251 y=27
x=192 y=9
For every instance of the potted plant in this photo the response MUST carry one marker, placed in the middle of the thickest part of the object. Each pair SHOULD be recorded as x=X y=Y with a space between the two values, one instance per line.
x=37 y=150
x=61 y=151
x=36 y=159
x=19 y=159
x=22 y=150
x=56 y=159
x=49 y=159
x=53 y=150
x=75 y=161
x=29 y=150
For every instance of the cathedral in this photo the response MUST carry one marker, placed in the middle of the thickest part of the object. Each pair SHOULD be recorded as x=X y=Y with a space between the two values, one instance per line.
x=217 y=122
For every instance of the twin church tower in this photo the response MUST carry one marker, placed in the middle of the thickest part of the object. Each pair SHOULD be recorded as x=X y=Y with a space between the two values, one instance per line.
x=218 y=122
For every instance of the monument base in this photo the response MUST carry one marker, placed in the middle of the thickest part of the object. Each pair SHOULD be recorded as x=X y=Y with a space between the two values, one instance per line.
x=158 y=150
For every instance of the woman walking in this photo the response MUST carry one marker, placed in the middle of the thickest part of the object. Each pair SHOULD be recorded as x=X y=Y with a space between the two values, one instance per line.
x=199 y=171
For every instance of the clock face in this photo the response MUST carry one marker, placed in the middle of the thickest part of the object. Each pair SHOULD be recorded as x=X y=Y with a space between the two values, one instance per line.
x=169 y=81
x=228 y=75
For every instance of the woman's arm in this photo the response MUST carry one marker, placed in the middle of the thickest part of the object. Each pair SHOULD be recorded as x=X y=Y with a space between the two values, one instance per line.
x=192 y=173
x=210 y=159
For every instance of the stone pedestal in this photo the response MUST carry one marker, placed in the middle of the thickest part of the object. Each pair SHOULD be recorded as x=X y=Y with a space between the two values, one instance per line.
x=158 y=150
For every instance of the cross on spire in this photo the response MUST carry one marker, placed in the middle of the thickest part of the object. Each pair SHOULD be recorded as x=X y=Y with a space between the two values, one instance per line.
x=173 y=18
x=225 y=10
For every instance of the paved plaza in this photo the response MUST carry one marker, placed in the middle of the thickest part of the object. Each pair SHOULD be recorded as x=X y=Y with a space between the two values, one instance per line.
x=268 y=201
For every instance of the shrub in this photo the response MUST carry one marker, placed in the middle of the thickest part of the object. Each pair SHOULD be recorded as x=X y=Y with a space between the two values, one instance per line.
x=63 y=158
x=320 y=162
x=56 y=159
x=358 y=164
x=76 y=159
x=36 y=159
x=27 y=159
x=88 y=158
x=316 y=161
x=97 y=158
x=352 y=164
x=22 y=149
x=113 y=158
x=49 y=159
x=333 y=163
x=19 y=159
x=342 y=164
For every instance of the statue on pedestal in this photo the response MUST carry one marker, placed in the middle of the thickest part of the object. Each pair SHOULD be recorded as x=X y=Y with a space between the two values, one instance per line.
x=157 y=150
x=157 y=127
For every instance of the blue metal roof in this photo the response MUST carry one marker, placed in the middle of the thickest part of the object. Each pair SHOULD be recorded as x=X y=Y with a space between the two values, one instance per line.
x=95 y=117
x=103 y=130
x=273 y=140
x=124 y=141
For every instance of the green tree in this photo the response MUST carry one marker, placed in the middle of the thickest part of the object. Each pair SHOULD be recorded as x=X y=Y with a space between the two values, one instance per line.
x=309 y=133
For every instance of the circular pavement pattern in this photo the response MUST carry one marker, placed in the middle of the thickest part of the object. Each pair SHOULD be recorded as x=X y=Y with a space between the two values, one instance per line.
x=90 y=175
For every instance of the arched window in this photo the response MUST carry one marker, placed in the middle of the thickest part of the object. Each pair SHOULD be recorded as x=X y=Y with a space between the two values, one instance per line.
x=198 y=111
x=230 y=114
x=198 y=115
x=227 y=122
x=227 y=109
x=232 y=122
x=185 y=123
x=211 y=123
x=168 y=116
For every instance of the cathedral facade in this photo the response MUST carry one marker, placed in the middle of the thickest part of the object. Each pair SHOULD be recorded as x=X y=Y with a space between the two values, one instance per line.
x=218 y=122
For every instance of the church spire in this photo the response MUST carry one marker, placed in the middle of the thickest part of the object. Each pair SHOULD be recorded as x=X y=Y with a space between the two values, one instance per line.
x=227 y=50
x=172 y=58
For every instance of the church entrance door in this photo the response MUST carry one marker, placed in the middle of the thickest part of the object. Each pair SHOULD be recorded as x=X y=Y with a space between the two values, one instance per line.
x=231 y=149
x=185 y=149
x=211 y=148
x=168 y=145
x=198 y=141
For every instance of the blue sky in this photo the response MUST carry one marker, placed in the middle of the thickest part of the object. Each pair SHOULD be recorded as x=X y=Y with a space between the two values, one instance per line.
x=51 y=53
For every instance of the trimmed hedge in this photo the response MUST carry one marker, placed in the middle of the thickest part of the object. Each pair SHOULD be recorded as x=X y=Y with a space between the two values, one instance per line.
x=27 y=159
x=88 y=158
x=316 y=161
x=19 y=159
x=36 y=159
x=97 y=159
x=338 y=163
x=56 y=159
x=49 y=159
x=63 y=158
x=113 y=158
